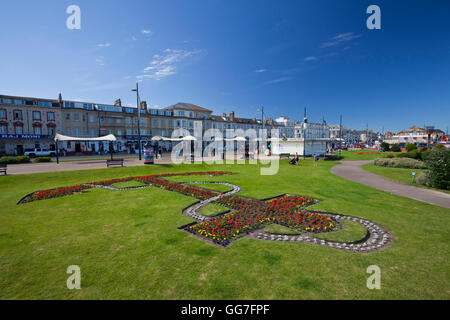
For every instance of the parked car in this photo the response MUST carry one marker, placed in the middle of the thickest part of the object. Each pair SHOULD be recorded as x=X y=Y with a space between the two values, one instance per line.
x=38 y=152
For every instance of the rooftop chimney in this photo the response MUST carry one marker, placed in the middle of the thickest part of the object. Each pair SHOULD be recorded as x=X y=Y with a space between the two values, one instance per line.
x=118 y=103
x=144 y=105
x=232 y=116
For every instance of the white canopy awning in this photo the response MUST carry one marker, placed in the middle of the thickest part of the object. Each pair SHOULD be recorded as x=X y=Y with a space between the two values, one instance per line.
x=236 y=139
x=188 y=138
x=60 y=137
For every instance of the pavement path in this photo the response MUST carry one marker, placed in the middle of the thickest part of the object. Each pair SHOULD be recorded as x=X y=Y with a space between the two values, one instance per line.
x=352 y=170
x=84 y=164
x=28 y=168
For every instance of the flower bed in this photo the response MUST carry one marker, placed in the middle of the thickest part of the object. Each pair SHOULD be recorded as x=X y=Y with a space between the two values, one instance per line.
x=156 y=180
x=253 y=214
x=248 y=214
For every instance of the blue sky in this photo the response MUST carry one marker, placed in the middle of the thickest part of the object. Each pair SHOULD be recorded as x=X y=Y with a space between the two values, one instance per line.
x=238 y=55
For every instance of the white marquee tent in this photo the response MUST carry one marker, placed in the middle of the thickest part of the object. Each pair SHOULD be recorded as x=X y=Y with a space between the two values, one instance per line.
x=60 y=137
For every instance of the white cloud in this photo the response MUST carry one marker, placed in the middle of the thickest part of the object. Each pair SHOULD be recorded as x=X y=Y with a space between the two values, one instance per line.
x=310 y=58
x=283 y=79
x=104 y=45
x=260 y=70
x=144 y=31
x=164 y=65
x=100 y=61
x=339 y=39
x=134 y=38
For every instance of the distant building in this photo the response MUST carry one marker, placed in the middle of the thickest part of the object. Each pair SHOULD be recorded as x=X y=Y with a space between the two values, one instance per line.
x=309 y=139
x=28 y=123
x=286 y=126
x=421 y=137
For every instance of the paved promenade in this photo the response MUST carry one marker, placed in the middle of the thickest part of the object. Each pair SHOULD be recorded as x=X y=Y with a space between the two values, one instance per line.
x=27 y=168
x=352 y=170
x=85 y=164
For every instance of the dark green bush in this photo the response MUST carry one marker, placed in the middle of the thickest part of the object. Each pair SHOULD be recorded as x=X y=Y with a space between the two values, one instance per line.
x=333 y=157
x=411 y=147
x=14 y=160
x=439 y=147
x=385 y=146
x=439 y=169
x=42 y=159
x=395 y=148
x=424 y=154
x=415 y=154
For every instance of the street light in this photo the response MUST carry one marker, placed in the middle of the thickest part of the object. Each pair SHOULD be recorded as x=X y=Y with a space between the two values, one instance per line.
x=262 y=122
x=305 y=120
x=139 y=119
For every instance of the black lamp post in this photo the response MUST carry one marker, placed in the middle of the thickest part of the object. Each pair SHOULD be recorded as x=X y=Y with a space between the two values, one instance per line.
x=139 y=120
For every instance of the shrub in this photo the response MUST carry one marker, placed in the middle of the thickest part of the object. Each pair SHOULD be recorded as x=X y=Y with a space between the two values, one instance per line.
x=424 y=155
x=411 y=147
x=395 y=148
x=415 y=154
x=43 y=159
x=400 y=163
x=439 y=169
x=14 y=160
x=385 y=146
x=439 y=147
x=389 y=155
x=422 y=178
x=333 y=157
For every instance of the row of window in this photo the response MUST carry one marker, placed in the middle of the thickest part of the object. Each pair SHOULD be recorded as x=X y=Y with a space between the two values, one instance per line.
x=19 y=130
x=21 y=102
x=76 y=132
x=18 y=115
x=191 y=114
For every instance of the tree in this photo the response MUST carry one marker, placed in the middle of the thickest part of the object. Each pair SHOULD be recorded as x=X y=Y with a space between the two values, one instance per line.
x=385 y=146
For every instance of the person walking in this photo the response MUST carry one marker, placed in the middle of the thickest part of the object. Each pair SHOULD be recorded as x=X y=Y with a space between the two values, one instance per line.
x=316 y=159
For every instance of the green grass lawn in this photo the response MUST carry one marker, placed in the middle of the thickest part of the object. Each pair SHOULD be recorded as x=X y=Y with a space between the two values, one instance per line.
x=352 y=155
x=278 y=229
x=350 y=232
x=212 y=209
x=128 y=245
x=128 y=184
x=212 y=186
x=402 y=175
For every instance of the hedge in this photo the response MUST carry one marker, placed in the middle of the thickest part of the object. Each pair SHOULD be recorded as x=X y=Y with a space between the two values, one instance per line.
x=400 y=163
x=14 y=160
x=43 y=159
